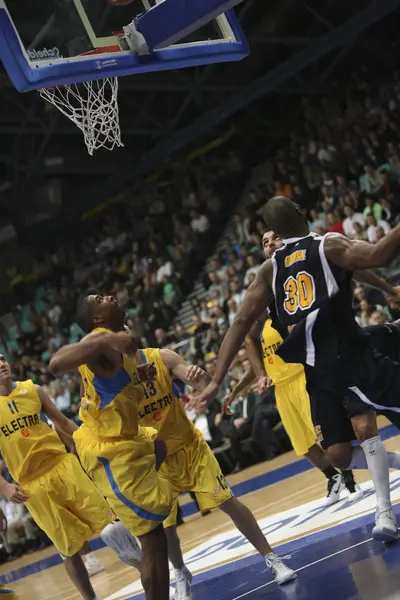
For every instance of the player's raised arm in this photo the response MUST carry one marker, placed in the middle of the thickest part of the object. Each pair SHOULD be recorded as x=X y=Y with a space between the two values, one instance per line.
x=179 y=368
x=258 y=297
x=253 y=346
x=355 y=255
x=90 y=350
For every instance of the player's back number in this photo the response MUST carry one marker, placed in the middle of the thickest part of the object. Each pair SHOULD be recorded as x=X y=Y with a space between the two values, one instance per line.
x=299 y=292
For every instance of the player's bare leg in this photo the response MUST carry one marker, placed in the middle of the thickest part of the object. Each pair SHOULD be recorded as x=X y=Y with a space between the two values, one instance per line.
x=92 y=563
x=182 y=574
x=336 y=481
x=174 y=547
x=79 y=576
x=246 y=523
x=154 y=568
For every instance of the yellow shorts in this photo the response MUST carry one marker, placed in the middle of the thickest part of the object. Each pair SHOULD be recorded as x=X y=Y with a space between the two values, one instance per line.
x=124 y=472
x=67 y=506
x=6 y=593
x=194 y=468
x=293 y=404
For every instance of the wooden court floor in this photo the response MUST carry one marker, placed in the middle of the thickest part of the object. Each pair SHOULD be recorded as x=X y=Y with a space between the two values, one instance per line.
x=299 y=489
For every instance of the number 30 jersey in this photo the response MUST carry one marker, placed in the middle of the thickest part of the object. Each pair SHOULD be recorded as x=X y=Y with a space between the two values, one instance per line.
x=303 y=280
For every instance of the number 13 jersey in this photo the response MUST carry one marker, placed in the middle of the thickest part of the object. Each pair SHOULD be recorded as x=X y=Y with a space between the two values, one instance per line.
x=303 y=279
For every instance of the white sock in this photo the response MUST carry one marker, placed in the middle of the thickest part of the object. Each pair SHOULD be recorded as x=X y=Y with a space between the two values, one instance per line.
x=378 y=466
x=180 y=573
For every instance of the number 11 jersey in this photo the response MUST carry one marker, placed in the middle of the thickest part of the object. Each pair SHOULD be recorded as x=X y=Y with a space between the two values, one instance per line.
x=29 y=446
x=303 y=280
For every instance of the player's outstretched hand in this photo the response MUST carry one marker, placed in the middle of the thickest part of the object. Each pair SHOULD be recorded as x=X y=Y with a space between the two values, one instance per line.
x=14 y=493
x=263 y=384
x=209 y=393
x=122 y=342
x=194 y=374
x=147 y=372
x=227 y=403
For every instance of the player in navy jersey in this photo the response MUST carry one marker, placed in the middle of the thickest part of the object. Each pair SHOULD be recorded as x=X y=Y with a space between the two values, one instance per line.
x=310 y=278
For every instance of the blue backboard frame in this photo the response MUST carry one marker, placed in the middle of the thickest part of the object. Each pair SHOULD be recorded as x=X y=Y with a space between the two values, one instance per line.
x=27 y=76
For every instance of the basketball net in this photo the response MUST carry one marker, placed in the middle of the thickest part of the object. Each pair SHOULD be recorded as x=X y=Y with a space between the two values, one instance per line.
x=93 y=107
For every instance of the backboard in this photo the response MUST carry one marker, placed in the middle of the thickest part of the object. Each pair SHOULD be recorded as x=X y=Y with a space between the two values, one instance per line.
x=54 y=42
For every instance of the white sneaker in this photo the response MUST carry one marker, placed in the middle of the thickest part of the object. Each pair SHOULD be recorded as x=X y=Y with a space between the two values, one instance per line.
x=117 y=537
x=92 y=564
x=356 y=495
x=183 y=584
x=281 y=573
x=335 y=486
x=385 y=529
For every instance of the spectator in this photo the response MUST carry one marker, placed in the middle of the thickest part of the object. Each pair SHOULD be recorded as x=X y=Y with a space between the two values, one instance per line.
x=372 y=228
x=252 y=269
x=334 y=222
x=206 y=420
x=241 y=427
x=372 y=179
x=351 y=218
x=199 y=222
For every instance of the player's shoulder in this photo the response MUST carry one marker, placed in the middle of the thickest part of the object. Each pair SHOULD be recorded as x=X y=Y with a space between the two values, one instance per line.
x=95 y=334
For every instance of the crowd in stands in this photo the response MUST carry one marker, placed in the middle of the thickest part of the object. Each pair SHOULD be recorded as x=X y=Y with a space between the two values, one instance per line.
x=341 y=165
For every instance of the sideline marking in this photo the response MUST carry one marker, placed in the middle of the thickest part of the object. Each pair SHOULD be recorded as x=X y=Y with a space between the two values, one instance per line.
x=315 y=562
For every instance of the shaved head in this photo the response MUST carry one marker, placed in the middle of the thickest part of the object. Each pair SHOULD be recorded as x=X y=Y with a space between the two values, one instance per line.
x=284 y=217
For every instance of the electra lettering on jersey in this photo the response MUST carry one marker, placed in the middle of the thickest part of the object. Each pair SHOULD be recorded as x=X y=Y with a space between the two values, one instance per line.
x=153 y=407
x=19 y=423
x=270 y=350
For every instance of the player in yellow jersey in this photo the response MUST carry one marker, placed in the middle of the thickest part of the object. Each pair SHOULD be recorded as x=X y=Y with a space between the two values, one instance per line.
x=190 y=464
x=117 y=453
x=52 y=484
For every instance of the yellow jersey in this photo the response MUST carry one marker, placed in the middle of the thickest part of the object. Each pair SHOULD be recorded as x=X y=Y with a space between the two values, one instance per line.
x=162 y=408
x=276 y=368
x=110 y=405
x=28 y=444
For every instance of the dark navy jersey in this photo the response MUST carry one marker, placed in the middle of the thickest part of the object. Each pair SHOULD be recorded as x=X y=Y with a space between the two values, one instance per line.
x=385 y=339
x=303 y=280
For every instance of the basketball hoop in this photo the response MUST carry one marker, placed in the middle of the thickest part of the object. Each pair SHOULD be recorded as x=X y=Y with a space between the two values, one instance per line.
x=93 y=107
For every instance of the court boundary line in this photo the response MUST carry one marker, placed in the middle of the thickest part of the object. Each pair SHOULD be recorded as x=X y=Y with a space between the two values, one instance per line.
x=315 y=562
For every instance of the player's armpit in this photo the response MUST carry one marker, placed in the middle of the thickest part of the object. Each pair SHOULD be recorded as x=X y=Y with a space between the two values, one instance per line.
x=355 y=255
